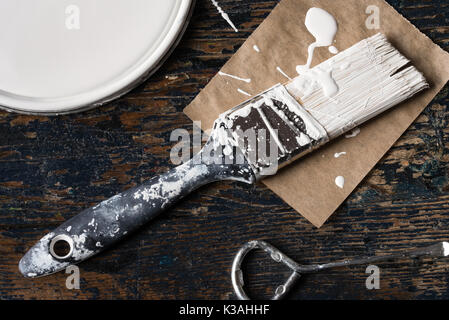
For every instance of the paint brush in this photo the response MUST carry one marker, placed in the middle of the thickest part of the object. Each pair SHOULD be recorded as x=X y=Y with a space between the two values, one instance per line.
x=248 y=143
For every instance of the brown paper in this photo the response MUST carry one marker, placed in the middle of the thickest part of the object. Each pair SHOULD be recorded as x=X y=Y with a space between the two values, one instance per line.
x=308 y=184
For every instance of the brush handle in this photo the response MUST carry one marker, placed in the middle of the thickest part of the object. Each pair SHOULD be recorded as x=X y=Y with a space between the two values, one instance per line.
x=96 y=228
x=112 y=219
x=99 y=227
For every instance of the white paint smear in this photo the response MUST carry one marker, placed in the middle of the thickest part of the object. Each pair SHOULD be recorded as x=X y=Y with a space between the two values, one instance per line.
x=256 y=48
x=333 y=50
x=340 y=182
x=224 y=15
x=234 y=77
x=283 y=73
x=303 y=140
x=338 y=155
x=446 y=249
x=354 y=133
x=243 y=92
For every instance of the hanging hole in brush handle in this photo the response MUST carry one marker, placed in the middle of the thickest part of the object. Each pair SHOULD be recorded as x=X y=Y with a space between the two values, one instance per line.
x=237 y=274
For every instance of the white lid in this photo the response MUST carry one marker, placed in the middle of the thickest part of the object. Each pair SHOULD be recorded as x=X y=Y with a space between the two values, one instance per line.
x=58 y=56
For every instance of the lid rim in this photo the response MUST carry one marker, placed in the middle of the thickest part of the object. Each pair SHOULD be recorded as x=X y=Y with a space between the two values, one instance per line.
x=116 y=88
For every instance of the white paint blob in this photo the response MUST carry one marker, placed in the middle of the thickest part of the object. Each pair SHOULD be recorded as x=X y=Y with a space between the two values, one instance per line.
x=321 y=77
x=338 y=155
x=446 y=249
x=224 y=15
x=333 y=50
x=323 y=26
x=234 y=77
x=340 y=182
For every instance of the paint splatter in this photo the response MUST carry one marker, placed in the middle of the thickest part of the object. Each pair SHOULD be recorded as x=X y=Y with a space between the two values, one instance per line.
x=256 y=48
x=224 y=15
x=234 y=77
x=243 y=92
x=283 y=73
x=339 y=154
x=340 y=182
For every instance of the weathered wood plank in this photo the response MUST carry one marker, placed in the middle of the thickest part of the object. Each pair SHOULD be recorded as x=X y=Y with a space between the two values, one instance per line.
x=52 y=167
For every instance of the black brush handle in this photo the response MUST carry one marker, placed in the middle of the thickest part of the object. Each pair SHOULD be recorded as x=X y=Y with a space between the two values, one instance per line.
x=96 y=228
x=107 y=222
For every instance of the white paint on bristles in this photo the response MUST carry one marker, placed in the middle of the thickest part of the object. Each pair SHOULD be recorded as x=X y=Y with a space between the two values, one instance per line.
x=221 y=73
x=323 y=26
x=224 y=15
x=365 y=71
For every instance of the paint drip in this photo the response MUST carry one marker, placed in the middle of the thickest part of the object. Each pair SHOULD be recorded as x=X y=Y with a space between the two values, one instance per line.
x=323 y=26
x=333 y=50
x=234 y=77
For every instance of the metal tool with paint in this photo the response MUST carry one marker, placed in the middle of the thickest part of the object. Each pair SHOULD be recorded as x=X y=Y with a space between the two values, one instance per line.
x=438 y=250
x=294 y=125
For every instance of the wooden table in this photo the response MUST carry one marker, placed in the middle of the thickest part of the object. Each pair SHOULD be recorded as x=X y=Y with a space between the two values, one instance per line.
x=52 y=167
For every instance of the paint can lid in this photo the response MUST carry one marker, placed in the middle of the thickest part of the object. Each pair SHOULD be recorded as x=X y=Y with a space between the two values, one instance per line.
x=60 y=57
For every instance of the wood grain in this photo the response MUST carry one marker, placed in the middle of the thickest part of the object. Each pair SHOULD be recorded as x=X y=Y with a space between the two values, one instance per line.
x=53 y=167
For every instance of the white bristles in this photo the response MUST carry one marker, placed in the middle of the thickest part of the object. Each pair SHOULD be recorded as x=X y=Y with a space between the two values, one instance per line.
x=368 y=84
